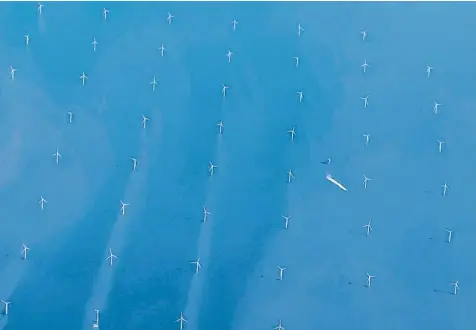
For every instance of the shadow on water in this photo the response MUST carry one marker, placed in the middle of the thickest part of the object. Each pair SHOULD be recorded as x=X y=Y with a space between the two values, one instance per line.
x=443 y=292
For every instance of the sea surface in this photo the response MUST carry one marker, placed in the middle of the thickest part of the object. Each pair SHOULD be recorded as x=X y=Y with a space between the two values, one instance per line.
x=325 y=250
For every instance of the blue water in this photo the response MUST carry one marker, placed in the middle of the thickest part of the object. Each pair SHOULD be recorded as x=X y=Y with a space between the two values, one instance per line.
x=325 y=251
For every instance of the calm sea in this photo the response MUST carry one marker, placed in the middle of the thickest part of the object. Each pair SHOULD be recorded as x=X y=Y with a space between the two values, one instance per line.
x=324 y=251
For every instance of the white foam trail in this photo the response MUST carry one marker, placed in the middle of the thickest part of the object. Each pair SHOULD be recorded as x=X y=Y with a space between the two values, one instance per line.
x=334 y=181
x=195 y=292
x=134 y=192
